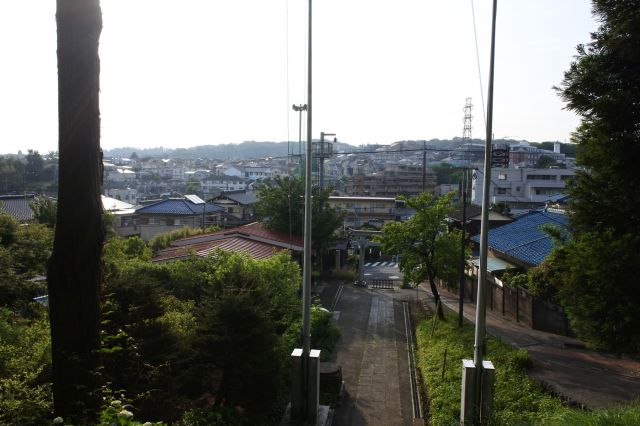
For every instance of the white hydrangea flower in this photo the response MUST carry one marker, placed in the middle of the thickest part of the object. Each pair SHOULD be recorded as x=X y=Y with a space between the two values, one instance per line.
x=58 y=420
x=125 y=414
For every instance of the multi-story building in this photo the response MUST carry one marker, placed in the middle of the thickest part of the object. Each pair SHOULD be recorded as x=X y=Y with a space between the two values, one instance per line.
x=373 y=211
x=525 y=155
x=521 y=188
x=396 y=179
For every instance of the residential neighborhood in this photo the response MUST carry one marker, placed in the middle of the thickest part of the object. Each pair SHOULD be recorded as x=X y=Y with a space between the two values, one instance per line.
x=297 y=214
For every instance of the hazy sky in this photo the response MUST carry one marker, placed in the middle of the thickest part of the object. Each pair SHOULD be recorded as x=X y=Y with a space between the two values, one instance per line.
x=190 y=72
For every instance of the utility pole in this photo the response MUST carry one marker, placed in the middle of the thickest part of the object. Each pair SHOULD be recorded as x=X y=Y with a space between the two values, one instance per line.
x=320 y=153
x=463 y=193
x=466 y=140
x=306 y=362
x=478 y=375
x=424 y=165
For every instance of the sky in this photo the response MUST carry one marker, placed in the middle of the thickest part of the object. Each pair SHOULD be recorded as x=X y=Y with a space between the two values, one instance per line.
x=193 y=72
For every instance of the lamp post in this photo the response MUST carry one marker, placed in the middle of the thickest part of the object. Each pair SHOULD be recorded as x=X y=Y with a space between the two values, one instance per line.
x=299 y=109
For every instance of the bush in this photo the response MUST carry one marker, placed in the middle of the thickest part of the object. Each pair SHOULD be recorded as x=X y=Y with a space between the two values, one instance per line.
x=25 y=369
x=518 y=400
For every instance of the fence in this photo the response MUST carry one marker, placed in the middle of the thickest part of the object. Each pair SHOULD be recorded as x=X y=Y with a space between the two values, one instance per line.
x=518 y=304
x=381 y=284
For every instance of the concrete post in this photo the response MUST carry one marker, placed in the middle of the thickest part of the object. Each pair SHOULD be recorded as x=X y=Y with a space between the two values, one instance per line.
x=297 y=391
x=313 y=386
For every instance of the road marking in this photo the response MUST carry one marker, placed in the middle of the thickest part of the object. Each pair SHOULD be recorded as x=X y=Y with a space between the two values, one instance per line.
x=367 y=273
x=375 y=264
x=368 y=264
x=394 y=277
x=384 y=264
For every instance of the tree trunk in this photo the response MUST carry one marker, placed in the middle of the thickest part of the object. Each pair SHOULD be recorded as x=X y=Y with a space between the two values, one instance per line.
x=75 y=268
x=436 y=296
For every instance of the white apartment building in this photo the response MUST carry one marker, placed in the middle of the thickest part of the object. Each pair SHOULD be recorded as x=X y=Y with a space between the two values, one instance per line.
x=223 y=183
x=521 y=187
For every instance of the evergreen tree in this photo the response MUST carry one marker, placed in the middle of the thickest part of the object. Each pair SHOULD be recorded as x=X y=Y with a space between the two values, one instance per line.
x=282 y=205
x=601 y=295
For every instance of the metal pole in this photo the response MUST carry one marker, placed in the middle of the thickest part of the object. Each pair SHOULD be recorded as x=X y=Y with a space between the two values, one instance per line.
x=306 y=267
x=462 y=250
x=484 y=228
x=424 y=165
x=321 y=160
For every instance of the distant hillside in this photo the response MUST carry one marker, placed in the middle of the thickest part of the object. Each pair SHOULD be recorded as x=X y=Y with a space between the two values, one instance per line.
x=244 y=151
x=251 y=149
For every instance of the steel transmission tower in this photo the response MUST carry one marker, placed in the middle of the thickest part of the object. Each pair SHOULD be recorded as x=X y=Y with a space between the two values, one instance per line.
x=466 y=130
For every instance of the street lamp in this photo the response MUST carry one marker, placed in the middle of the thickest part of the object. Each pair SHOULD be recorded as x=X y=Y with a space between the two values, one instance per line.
x=299 y=109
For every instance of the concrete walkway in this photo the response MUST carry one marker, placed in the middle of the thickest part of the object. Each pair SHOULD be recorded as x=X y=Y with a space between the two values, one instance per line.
x=588 y=378
x=372 y=351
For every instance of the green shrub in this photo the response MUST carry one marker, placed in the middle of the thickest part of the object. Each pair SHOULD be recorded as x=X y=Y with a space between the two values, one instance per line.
x=518 y=400
x=25 y=370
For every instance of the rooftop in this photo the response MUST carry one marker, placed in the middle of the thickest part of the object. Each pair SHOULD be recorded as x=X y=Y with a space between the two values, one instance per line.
x=17 y=206
x=254 y=239
x=179 y=207
x=523 y=239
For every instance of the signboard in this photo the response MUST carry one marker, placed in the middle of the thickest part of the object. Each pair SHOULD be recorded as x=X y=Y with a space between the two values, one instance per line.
x=500 y=156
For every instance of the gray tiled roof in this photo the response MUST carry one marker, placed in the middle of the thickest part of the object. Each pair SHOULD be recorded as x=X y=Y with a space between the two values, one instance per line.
x=17 y=206
x=241 y=197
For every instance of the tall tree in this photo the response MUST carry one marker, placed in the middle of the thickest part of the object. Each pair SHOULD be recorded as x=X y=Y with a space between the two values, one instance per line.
x=34 y=166
x=427 y=251
x=282 y=204
x=75 y=267
x=603 y=86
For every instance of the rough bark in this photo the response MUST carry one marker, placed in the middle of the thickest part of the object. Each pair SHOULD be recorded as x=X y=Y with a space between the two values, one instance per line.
x=75 y=267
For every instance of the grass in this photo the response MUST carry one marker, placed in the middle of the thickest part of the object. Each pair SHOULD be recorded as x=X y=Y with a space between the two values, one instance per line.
x=518 y=399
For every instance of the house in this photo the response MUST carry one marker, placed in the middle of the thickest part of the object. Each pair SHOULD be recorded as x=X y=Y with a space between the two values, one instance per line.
x=124 y=214
x=239 y=205
x=175 y=213
x=473 y=218
x=215 y=183
x=523 y=243
x=17 y=206
x=128 y=195
x=253 y=239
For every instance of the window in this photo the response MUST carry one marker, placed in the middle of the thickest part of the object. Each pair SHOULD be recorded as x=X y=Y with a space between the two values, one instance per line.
x=567 y=177
x=502 y=176
x=170 y=221
x=541 y=177
x=502 y=191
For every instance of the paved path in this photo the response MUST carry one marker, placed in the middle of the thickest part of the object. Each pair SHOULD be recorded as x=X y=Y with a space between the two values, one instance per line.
x=372 y=351
x=585 y=377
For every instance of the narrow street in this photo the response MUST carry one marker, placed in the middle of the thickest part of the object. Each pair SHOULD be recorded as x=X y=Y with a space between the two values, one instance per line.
x=372 y=351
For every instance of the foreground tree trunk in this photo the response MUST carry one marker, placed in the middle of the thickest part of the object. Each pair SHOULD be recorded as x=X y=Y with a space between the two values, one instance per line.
x=75 y=267
x=436 y=296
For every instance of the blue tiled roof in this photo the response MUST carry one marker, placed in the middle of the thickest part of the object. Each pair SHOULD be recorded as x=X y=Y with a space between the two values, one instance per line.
x=523 y=239
x=178 y=207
